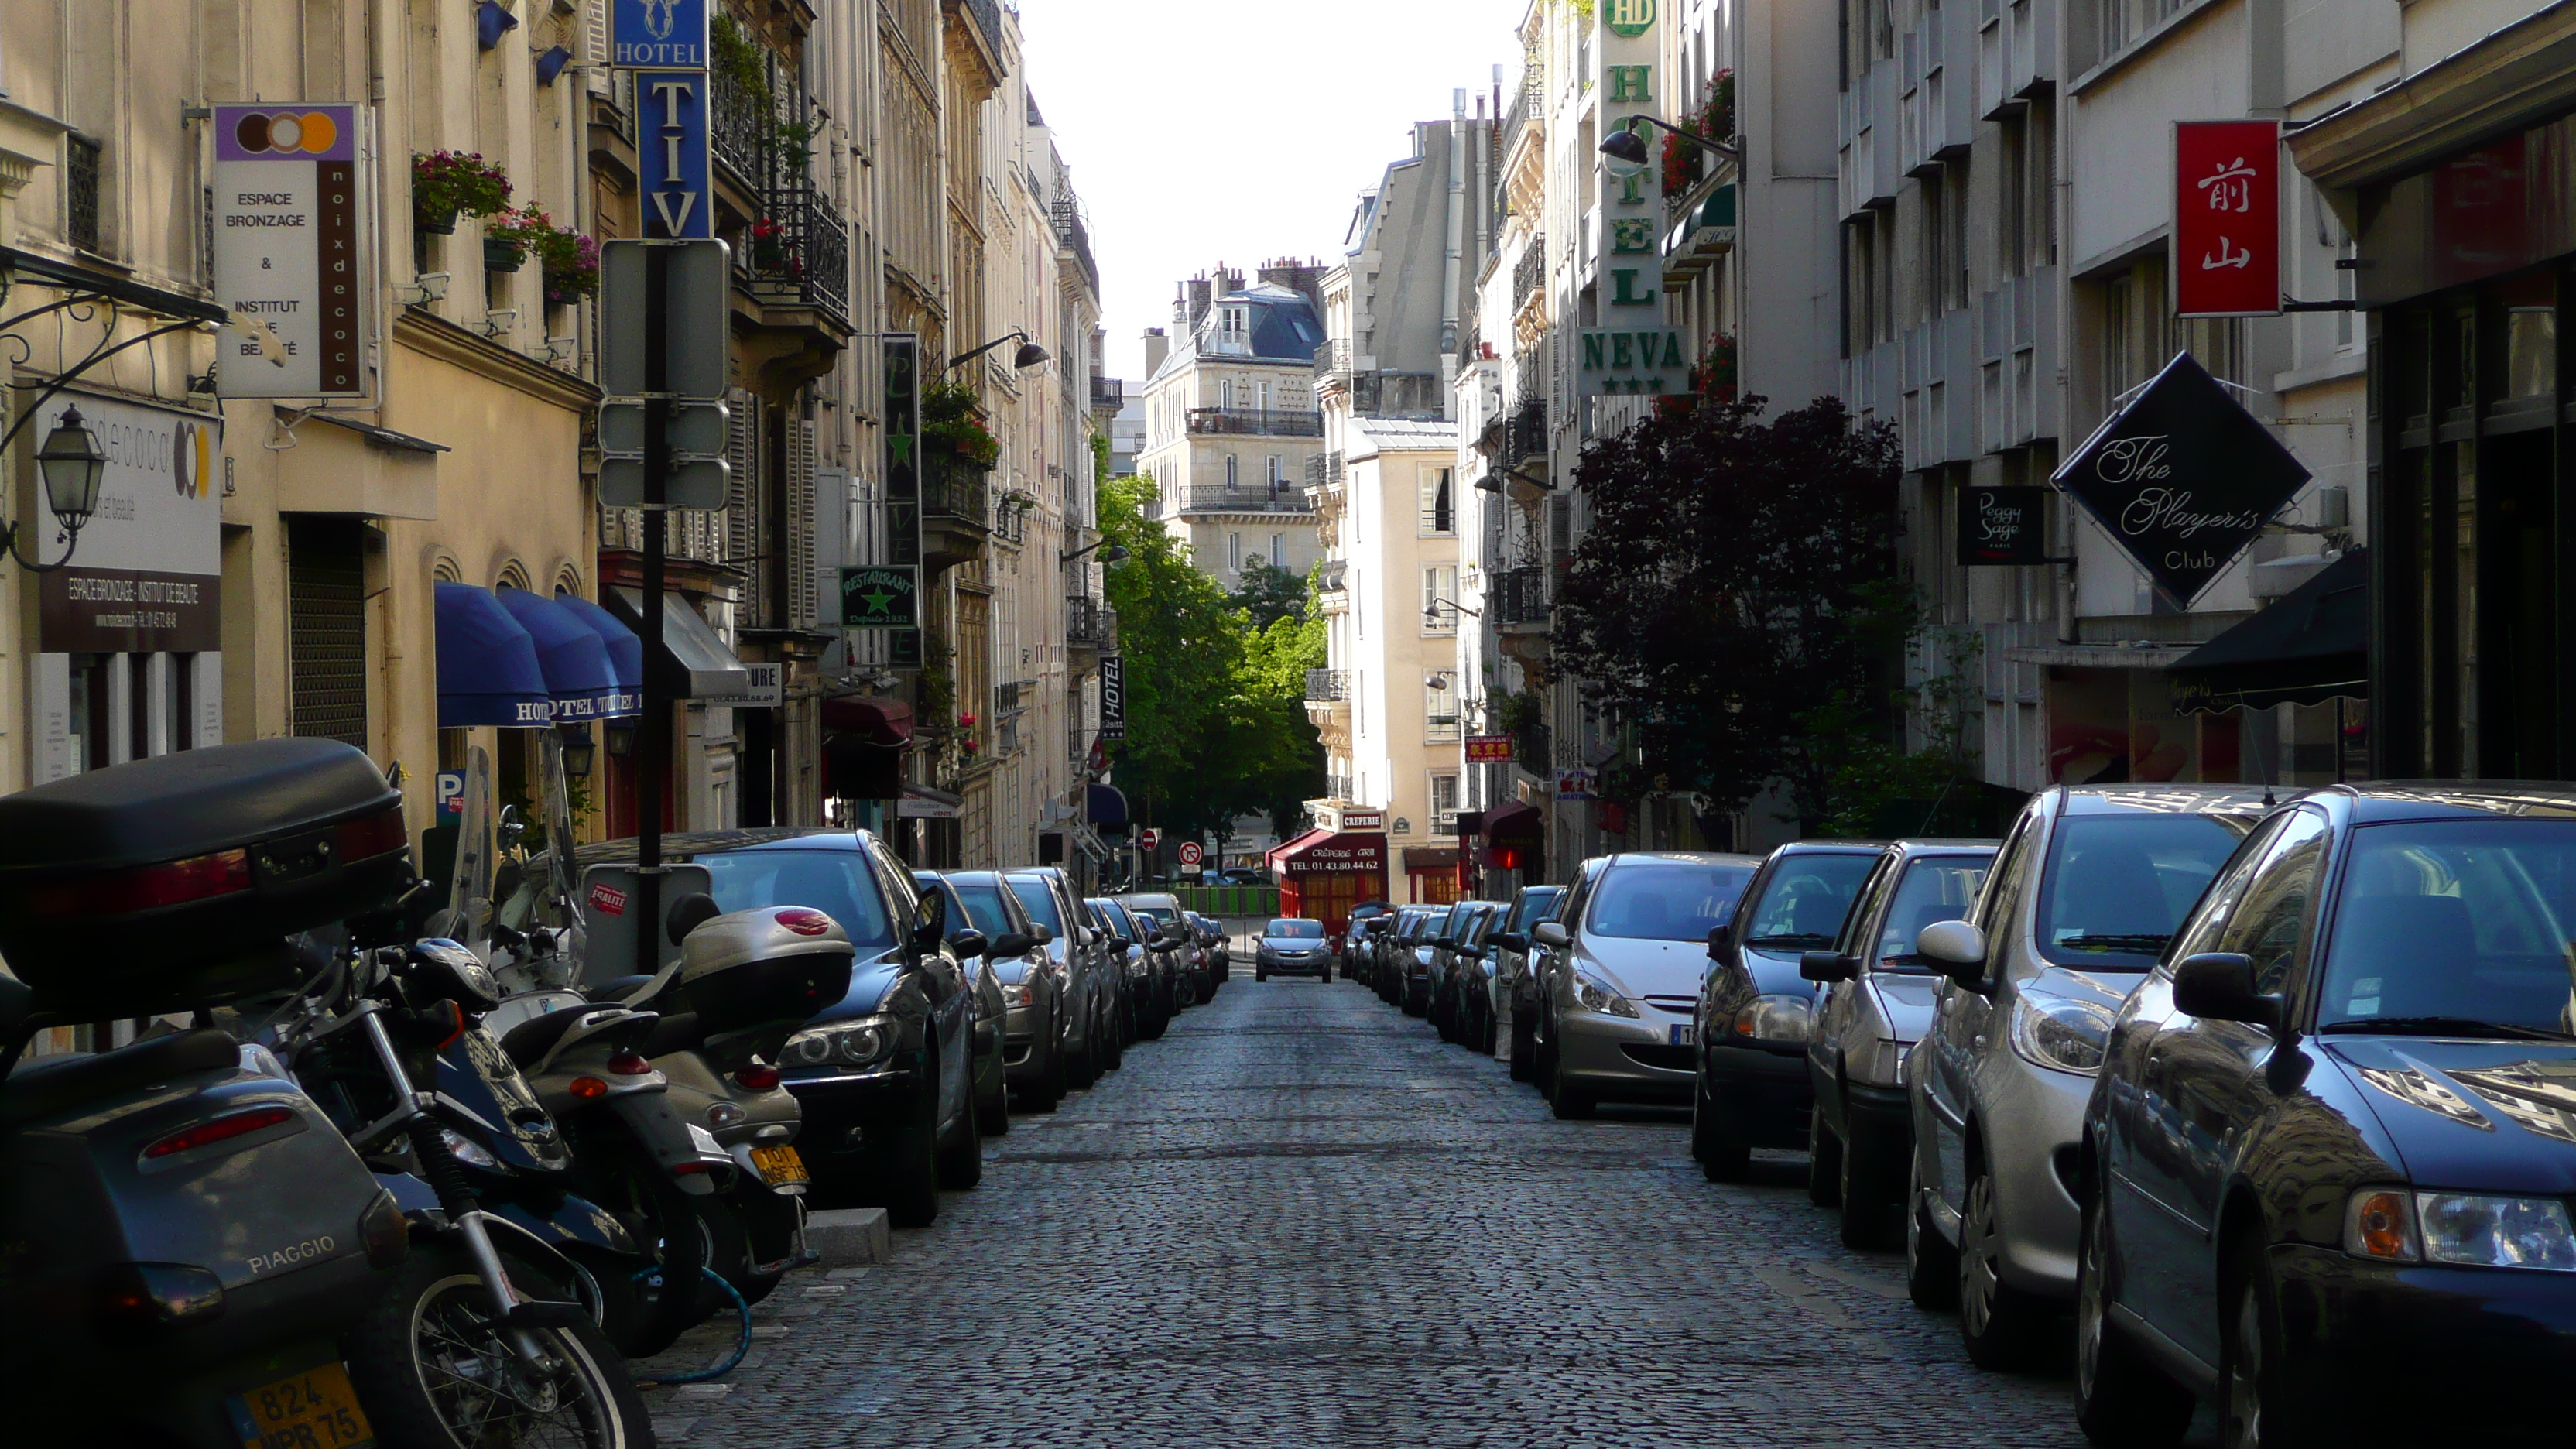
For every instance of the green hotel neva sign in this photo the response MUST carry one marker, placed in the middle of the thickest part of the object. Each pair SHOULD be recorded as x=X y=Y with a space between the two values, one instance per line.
x=1628 y=17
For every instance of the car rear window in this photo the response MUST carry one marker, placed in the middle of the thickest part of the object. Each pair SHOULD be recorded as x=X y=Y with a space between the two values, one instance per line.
x=1936 y=888
x=983 y=906
x=835 y=882
x=1534 y=906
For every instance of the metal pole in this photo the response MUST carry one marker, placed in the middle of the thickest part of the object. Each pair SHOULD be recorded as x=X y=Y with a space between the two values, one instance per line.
x=654 y=746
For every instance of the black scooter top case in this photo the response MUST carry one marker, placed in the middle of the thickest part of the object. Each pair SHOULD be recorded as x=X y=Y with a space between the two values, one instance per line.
x=172 y=882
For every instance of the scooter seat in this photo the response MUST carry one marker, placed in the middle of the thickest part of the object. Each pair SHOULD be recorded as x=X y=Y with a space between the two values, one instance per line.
x=677 y=1033
x=51 y=1087
x=529 y=1041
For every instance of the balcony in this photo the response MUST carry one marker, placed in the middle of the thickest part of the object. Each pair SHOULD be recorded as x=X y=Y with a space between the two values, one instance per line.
x=1525 y=104
x=1013 y=698
x=1083 y=619
x=1442 y=729
x=1529 y=274
x=1332 y=576
x=956 y=513
x=1328 y=686
x=798 y=254
x=1280 y=497
x=1341 y=788
x=1517 y=598
x=1324 y=470
x=1525 y=435
x=1257 y=422
x=1333 y=363
x=1074 y=235
x=739 y=130
x=1108 y=394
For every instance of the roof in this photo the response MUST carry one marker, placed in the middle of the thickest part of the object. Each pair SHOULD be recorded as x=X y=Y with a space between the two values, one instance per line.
x=1685 y=857
x=1284 y=328
x=1399 y=435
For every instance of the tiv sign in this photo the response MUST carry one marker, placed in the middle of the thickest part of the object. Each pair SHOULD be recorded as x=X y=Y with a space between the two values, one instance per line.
x=666 y=43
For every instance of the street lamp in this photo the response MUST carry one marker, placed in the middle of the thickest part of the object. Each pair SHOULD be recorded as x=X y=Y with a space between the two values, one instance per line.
x=1114 y=553
x=1626 y=147
x=1030 y=354
x=1431 y=612
x=72 y=462
x=580 y=751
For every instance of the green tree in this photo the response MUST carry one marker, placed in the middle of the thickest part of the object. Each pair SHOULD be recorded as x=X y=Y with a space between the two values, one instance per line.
x=1269 y=594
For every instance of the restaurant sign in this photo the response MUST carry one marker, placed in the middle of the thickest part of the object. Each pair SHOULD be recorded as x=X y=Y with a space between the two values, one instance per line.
x=147 y=572
x=2182 y=478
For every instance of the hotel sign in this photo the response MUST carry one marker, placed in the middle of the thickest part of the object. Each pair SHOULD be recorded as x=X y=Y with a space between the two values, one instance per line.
x=1630 y=351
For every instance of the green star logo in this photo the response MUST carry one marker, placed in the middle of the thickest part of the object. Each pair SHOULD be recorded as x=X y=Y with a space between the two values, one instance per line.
x=877 y=600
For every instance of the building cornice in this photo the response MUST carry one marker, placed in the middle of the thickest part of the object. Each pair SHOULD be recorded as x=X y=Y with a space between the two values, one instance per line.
x=434 y=336
x=2517 y=75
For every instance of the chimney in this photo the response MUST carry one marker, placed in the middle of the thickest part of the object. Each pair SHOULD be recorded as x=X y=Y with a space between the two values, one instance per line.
x=1202 y=295
x=1158 y=345
x=1304 y=278
x=1228 y=281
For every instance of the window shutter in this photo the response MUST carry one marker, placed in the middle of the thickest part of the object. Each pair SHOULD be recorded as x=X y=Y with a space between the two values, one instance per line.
x=804 y=520
x=326 y=643
x=742 y=501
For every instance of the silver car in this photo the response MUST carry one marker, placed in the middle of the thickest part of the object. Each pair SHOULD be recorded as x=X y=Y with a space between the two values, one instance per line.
x=2087 y=889
x=1099 y=982
x=1632 y=947
x=1877 y=1003
x=1515 y=993
x=1036 y=991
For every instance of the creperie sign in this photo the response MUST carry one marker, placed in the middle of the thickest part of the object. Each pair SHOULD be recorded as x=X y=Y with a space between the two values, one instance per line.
x=2227 y=219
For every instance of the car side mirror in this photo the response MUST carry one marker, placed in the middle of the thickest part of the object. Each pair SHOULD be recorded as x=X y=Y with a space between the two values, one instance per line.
x=1013 y=943
x=1718 y=939
x=929 y=921
x=1041 y=935
x=969 y=944
x=1828 y=966
x=2219 y=986
x=1512 y=941
x=1089 y=935
x=1957 y=948
x=1174 y=936
x=1551 y=934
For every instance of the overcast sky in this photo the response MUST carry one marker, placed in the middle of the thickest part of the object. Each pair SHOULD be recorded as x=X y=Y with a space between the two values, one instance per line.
x=1202 y=132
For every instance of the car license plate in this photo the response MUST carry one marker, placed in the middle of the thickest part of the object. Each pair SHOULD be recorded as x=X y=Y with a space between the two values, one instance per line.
x=316 y=1409
x=779 y=1165
x=1684 y=1034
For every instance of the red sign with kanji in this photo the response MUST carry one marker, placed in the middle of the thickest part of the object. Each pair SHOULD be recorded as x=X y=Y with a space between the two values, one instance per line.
x=2227 y=219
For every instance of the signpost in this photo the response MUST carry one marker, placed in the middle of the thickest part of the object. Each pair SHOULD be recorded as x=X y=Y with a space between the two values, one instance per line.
x=290 y=263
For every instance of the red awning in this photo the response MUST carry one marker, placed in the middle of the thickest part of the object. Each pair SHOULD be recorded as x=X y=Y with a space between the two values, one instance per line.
x=877 y=721
x=1514 y=820
x=1289 y=847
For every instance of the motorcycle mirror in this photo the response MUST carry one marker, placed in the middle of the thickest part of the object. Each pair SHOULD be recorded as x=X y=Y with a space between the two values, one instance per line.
x=690 y=912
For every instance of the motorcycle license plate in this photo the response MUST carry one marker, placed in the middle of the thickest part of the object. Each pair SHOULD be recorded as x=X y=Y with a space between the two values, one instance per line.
x=779 y=1165
x=315 y=1409
x=1683 y=1034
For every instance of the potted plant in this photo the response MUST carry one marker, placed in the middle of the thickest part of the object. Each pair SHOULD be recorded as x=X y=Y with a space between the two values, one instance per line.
x=952 y=427
x=449 y=184
x=570 y=265
x=771 y=248
x=512 y=235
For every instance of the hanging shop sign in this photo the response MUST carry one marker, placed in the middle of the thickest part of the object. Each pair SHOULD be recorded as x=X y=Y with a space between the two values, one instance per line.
x=658 y=35
x=764 y=686
x=1113 y=697
x=2227 y=219
x=900 y=428
x=290 y=253
x=878 y=596
x=1489 y=749
x=1997 y=527
x=148 y=571
x=2182 y=478
x=1574 y=784
x=1629 y=351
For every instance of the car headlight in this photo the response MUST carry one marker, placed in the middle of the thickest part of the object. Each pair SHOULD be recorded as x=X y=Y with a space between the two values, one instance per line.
x=1781 y=1019
x=2061 y=1034
x=1594 y=994
x=470 y=1152
x=2468 y=1229
x=846 y=1043
x=1019 y=993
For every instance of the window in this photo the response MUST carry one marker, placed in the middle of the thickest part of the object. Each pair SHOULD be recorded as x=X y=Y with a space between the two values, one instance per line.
x=1278 y=554
x=1272 y=469
x=1439 y=595
x=2268 y=921
x=1230 y=470
x=1234 y=551
x=1262 y=401
x=1440 y=705
x=1444 y=804
x=1439 y=509
x=81 y=157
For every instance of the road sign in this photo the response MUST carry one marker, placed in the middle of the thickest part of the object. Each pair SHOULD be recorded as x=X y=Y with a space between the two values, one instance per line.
x=879 y=596
x=697 y=338
x=1191 y=852
x=658 y=34
x=694 y=483
x=1148 y=838
x=695 y=429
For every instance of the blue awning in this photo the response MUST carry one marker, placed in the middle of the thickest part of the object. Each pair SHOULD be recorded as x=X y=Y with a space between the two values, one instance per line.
x=573 y=656
x=1107 y=806
x=487 y=664
x=625 y=652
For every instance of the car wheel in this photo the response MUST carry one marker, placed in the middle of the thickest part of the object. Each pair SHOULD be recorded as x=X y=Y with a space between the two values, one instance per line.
x=1524 y=1051
x=910 y=1188
x=1057 y=1080
x=961 y=1157
x=1931 y=1264
x=1723 y=1156
x=2254 y=1411
x=1868 y=1204
x=993 y=1104
x=1999 y=1323
x=1570 y=1102
x=1824 y=1161
x=1327 y=976
x=1260 y=973
x=2120 y=1398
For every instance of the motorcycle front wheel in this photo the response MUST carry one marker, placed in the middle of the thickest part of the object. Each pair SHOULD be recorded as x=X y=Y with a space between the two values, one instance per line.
x=435 y=1369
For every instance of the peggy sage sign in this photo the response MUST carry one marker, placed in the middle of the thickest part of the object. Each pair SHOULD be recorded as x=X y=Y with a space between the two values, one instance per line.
x=2182 y=478
x=2002 y=526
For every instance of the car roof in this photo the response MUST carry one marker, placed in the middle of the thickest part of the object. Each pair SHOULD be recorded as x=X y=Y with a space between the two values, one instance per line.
x=2165 y=799
x=2380 y=800
x=1692 y=857
x=1908 y=849
x=686 y=843
x=1830 y=847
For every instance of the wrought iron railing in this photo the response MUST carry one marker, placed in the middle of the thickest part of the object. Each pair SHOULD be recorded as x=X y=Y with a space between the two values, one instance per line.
x=81 y=157
x=1074 y=235
x=1258 y=422
x=799 y=253
x=1333 y=359
x=1082 y=619
x=1328 y=686
x=740 y=128
x=1517 y=596
x=1523 y=104
x=1339 y=787
x=1280 y=497
x=1010 y=699
x=1108 y=392
x=1442 y=729
x=1529 y=273
x=949 y=491
x=1324 y=470
x=988 y=18
x=1525 y=436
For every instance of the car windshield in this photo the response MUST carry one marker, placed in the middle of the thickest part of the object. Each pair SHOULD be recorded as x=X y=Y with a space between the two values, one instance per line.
x=1297 y=930
x=2463 y=927
x=983 y=906
x=1936 y=888
x=835 y=882
x=1665 y=900
x=1039 y=901
x=1114 y=921
x=1534 y=905
x=2117 y=885
x=1803 y=907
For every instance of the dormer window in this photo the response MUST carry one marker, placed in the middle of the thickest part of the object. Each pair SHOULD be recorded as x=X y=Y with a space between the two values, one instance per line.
x=1234 y=325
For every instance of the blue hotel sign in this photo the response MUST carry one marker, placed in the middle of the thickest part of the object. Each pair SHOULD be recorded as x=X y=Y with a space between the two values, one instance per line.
x=658 y=34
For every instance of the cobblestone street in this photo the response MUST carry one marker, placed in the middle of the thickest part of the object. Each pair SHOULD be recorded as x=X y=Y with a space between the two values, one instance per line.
x=1300 y=1219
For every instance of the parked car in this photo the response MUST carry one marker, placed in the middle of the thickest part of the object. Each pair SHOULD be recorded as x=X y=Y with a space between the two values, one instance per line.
x=1292 y=946
x=1464 y=979
x=1547 y=966
x=1875 y=1004
x=1149 y=976
x=2327 y=1162
x=2088 y=888
x=970 y=941
x=1095 y=1031
x=1515 y=982
x=1441 y=934
x=1035 y=1000
x=1754 y=1009
x=1392 y=952
x=885 y=1078
x=1241 y=875
x=1367 y=921
x=1634 y=946
x=1219 y=944
x=1194 y=983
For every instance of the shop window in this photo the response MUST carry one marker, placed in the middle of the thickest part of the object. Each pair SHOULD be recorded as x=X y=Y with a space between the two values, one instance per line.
x=183 y=701
x=138 y=707
x=89 y=709
x=327 y=627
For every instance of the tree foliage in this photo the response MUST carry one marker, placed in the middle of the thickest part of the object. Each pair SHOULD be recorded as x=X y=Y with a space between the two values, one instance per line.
x=1269 y=594
x=1736 y=602
x=1216 y=721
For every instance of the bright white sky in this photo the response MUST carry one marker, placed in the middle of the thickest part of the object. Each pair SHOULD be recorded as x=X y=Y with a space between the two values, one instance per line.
x=1235 y=132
